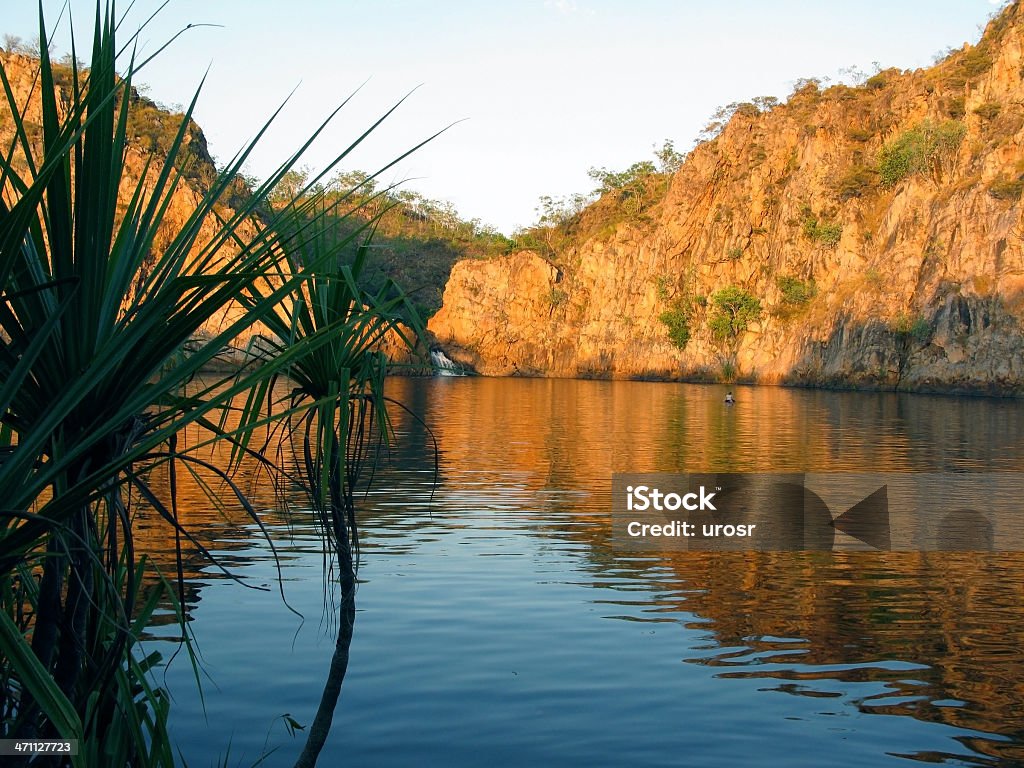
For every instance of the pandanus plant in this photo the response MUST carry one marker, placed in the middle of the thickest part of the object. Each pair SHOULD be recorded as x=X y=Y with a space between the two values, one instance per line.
x=336 y=408
x=100 y=347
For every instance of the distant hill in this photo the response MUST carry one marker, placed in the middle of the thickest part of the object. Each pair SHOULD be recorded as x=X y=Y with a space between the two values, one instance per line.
x=416 y=241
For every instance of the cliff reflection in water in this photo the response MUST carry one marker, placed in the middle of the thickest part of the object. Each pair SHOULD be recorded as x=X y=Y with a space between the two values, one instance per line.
x=805 y=620
x=940 y=635
x=209 y=510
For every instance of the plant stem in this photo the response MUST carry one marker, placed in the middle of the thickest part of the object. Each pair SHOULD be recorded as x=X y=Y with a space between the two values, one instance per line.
x=321 y=725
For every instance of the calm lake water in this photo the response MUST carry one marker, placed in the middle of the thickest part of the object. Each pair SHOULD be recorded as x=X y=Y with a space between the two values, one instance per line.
x=497 y=625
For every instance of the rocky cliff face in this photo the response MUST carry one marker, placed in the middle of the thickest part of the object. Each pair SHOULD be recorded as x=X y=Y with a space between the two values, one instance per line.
x=879 y=228
x=151 y=130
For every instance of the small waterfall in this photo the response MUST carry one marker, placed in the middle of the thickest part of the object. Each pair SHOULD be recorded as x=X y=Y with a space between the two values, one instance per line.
x=444 y=365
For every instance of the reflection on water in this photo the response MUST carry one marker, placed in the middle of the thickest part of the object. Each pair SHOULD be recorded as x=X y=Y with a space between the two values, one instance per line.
x=497 y=622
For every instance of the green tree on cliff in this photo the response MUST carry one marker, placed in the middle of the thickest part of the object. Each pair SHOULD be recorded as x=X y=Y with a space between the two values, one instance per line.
x=669 y=161
x=734 y=310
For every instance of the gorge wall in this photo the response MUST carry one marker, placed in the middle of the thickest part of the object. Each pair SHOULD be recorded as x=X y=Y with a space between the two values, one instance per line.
x=879 y=227
x=151 y=131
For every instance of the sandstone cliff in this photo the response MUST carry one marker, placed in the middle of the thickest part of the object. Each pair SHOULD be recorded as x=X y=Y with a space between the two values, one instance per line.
x=874 y=266
x=151 y=130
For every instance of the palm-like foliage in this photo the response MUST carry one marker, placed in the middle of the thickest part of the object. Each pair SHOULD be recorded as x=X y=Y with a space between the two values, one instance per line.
x=95 y=386
x=336 y=405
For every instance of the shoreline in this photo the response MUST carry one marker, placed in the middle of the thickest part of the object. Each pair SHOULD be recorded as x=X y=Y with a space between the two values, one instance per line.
x=974 y=393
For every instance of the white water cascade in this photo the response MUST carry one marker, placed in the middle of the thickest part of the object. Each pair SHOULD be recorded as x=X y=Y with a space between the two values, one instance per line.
x=444 y=365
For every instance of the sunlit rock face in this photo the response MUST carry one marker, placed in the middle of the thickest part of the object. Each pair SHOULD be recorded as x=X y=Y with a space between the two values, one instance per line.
x=151 y=129
x=865 y=277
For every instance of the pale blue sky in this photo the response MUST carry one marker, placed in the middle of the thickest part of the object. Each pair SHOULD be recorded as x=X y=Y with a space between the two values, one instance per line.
x=549 y=87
